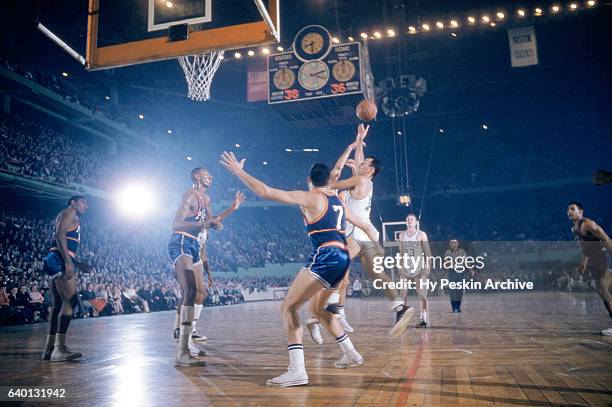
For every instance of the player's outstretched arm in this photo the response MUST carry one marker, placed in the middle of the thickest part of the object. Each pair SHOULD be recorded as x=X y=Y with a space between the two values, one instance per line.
x=337 y=170
x=229 y=161
x=348 y=183
x=239 y=198
x=362 y=132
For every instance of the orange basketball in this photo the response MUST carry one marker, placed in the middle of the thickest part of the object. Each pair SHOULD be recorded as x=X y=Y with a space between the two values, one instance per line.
x=366 y=110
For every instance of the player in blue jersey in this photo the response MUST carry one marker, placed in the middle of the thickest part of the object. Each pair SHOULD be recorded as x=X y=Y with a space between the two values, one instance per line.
x=596 y=249
x=325 y=216
x=60 y=265
x=202 y=181
x=192 y=218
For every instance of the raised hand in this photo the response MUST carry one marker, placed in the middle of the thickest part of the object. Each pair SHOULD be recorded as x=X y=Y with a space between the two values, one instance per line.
x=362 y=131
x=350 y=163
x=239 y=198
x=229 y=161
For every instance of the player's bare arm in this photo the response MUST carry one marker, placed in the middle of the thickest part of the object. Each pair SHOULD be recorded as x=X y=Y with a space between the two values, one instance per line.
x=425 y=245
x=67 y=220
x=362 y=132
x=239 y=198
x=337 y=170
x=304 y=199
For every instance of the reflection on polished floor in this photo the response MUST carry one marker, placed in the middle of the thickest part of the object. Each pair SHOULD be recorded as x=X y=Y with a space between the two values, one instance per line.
x=503 y=349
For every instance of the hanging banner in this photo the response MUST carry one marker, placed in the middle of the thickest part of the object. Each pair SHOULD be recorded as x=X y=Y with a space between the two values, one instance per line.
x=523 y=46
x=257 y=81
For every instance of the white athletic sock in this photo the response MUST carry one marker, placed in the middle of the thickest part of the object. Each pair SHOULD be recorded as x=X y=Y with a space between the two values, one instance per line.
x=345 y=343
x=296 y=356
x=50 y=343
x=397 y=304
x=60 y=340
x=182 y=345
x=423 y=316
x=177 y=320
x=341 y=310
x=197 y=310
x=334 y=298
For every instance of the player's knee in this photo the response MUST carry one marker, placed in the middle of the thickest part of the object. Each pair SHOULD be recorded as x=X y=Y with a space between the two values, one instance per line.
x=288 y=307
x=189 y=294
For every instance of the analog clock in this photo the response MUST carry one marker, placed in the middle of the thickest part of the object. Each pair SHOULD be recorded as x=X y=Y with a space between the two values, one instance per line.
x=312 y=42
x=284 y=78
x=343 y=70
x=313 y=75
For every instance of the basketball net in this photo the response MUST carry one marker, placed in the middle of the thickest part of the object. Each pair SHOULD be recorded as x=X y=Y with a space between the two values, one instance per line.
x=199 y=71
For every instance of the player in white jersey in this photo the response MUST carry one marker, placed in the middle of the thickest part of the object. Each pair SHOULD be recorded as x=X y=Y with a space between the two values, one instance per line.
x=414 y=243
x=358 y=198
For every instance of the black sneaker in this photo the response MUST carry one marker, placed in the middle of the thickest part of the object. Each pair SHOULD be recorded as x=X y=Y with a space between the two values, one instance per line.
x=402 y=319
x=421 y=324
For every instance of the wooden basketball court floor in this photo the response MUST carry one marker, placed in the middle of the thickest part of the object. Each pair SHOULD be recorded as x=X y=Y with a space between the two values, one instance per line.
x=514 y=349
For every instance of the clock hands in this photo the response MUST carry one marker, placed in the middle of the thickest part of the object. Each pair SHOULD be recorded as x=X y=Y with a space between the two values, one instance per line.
x=318 y=74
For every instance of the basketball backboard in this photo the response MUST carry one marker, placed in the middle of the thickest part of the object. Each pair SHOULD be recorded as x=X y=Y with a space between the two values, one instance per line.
x=121 y=33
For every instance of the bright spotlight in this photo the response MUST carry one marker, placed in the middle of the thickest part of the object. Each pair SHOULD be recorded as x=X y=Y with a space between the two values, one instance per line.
x=141 y=116
x=335 y=40
x=573 y=6
x=555 y=9
x=251 y=53
x=135 y=200
x=265 y=51
x=65 y=74
x=364 y=35
x=500 y=15
x=426 y=27
x=391 y=33
x=471 y=20
x=237 y=55
x=377 y=35
x=169 y=4
x=521 y=13
x=169 y=131
x=454 y=23
x=591 y=3
x=485 y=19
x=440 y=25
x=279 y=48
x=411 y=30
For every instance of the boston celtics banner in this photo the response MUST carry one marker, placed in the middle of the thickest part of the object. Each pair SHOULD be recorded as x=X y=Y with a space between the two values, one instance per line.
x=523 y=46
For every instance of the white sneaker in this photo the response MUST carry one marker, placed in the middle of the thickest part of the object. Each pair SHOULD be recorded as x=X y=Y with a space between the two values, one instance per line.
x=344 y=323
x=194 y=350
x=402 y=319
x=349 y=360
x=315 y=331
x=196 y=336
x=63 y=354
x=292 y=377
x=607 y=332
x=186 y=360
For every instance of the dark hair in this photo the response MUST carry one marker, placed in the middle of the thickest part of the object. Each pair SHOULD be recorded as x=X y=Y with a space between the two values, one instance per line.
x=578 y=205
x=195 y=171
x=319 y=174
x=376 y=164
x=75 y=198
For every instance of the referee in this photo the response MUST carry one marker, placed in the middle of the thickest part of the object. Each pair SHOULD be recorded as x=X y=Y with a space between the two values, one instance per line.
x=455 y=275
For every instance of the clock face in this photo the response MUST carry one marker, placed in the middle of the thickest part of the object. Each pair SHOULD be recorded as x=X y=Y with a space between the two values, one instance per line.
x=344 y=70
x=312 y=43
x=284 y=78
x=313 y=75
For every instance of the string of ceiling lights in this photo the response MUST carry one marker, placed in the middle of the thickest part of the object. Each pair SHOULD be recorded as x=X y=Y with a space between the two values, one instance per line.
x=452 y=24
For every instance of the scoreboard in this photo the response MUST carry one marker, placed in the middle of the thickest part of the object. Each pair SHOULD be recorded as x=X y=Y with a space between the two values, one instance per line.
x=339 y=73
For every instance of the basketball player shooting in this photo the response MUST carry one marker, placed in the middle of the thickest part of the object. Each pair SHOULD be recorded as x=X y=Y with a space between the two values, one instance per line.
x=596 y=250
x=358 y=198
x=325 y=216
